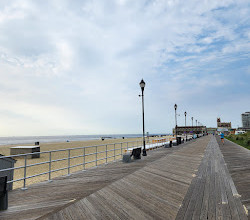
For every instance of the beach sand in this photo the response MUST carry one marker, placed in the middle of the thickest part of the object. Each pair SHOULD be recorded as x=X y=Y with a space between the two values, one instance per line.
x=33 y=170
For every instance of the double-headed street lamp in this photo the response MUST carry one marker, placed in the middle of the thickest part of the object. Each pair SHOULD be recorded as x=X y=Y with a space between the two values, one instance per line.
x=175 y=108
x=142 y=85
x=185 y=113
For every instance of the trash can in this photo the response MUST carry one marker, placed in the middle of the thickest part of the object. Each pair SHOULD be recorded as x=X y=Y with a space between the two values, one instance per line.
x=3 y=193
x=178 y=140
x=170 y=143
x=136 y=152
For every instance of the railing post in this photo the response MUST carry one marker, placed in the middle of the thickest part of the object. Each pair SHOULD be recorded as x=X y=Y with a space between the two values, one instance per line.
x=106 y=153
x=24 y=173
x=69 y=162
x=114 y=151
x=121 y=149
x=84 y=158
x=50 y=166
x=96 y=156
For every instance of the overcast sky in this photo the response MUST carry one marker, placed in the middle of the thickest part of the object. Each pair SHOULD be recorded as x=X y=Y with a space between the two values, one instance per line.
x=74 y=67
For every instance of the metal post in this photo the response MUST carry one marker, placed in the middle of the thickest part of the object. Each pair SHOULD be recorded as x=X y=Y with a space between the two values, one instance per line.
x=175 y=108
x=96 y=155
x=196 y=127
x=185 y=125
x=144 y=153
x=192 y=125
x=114 y=151
x=24 y=174
x=121 y=149
x=84 y=159
x=68 y=162
x=106 y=153
x=49 y=166
x=127 y=146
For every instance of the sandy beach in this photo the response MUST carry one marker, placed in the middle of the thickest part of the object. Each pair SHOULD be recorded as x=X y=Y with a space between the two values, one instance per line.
x=33 y=170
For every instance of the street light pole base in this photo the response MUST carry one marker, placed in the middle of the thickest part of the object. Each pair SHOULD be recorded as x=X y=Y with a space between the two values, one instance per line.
x=144 y=152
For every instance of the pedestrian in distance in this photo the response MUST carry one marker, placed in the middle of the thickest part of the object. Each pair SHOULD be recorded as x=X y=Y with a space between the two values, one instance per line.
x=222 y=137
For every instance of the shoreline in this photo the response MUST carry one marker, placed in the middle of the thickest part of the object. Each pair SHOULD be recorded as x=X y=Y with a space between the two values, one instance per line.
x=49 y=146
x=12 y=140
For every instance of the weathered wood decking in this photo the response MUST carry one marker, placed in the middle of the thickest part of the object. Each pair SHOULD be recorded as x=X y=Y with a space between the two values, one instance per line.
x=190 y=181
x=155 y=191
x=212 y=194
x=44 y=198
x=238 y=163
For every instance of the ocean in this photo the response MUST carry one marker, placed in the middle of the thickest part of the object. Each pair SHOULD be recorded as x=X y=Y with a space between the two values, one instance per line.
x=48 y=139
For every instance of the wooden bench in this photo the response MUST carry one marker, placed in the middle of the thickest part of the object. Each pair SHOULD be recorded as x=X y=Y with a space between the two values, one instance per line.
x=3 y=193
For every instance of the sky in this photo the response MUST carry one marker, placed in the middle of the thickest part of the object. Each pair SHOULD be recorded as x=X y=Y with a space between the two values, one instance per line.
x=74 y=67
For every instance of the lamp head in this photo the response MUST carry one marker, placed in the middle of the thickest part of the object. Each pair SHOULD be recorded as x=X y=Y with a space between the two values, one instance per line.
x=185 y=113
x=175 y=106
x=142 y=84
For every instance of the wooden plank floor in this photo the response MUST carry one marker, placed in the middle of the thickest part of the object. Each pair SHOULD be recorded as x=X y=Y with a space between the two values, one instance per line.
x=212 y=194
x=155 y=191
x=238 y=162
x=42 y=199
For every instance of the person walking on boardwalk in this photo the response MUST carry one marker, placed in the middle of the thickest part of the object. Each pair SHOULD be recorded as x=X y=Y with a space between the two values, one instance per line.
x=222 y=137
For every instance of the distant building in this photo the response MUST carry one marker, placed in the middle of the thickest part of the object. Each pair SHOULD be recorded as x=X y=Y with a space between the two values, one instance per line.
x=211 y=130
x=245 y=119
x=223 y=124
x=232 y=130
x=190 y=130
x=224 y=127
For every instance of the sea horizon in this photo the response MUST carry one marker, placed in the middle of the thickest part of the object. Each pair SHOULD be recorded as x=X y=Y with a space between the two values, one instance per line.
x=63 y=138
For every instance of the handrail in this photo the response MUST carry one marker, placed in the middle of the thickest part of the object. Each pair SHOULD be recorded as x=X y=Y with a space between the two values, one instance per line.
x=69 y=157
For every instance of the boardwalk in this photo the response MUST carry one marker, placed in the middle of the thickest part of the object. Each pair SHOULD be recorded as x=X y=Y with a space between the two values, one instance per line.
x=212 y=194
x=190 y=181
x=238 y=163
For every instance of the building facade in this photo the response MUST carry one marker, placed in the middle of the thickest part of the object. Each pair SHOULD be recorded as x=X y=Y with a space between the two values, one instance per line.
x=221 y=125
x=190 y=130
x=211 y=130
x=245 y=119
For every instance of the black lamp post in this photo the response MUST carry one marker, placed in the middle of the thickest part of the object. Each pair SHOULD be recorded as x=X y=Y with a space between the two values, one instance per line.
x=175 y=108
x=185 y=113
x=192 y=118
x=196 y=127
x=142 y=85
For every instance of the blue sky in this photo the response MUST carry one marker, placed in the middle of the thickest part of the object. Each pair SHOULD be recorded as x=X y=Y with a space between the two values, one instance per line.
x=74 y=67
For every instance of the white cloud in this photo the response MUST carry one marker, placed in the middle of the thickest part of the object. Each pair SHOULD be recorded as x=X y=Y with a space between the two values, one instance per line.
x=84 y=60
